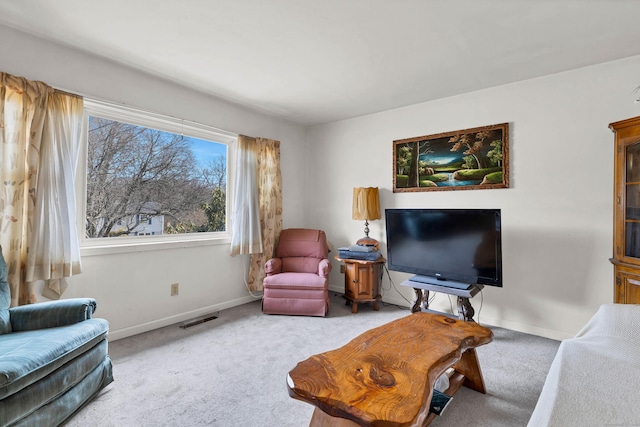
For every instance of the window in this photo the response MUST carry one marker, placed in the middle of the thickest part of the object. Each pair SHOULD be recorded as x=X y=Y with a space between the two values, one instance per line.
x=150 y=176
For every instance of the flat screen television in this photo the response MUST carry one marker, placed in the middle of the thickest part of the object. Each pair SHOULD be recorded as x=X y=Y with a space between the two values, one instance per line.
x=446 y=247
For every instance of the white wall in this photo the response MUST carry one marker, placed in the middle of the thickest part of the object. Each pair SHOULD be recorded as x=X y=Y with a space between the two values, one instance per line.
x=133 y=288
x=557 y=213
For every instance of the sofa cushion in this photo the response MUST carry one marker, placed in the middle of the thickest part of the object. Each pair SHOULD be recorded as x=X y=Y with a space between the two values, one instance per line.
x=26 y=357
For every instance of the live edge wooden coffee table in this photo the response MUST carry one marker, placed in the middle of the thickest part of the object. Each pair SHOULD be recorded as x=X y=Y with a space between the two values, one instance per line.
x=385 y=376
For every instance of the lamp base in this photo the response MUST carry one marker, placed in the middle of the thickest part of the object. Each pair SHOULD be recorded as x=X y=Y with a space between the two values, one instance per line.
x=368 y=241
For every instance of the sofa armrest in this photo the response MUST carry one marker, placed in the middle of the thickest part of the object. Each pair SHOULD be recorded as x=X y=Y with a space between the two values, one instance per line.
x=273 y=266
x=324 y=268
x=51 y=314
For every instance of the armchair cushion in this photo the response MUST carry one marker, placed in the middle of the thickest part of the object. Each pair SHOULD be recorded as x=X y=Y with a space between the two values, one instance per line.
x=300 y=265
x=273 y=266
x=324 y=268
x=301 y=250
x=5 y=298
x=5 y=322
x=296 y=281
x=51 y=314
x=302 y=242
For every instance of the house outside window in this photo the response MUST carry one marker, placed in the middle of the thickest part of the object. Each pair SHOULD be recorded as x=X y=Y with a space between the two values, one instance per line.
x=152 y=177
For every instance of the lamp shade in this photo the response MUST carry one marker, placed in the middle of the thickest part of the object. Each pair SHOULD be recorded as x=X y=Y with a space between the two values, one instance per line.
x=366 y=203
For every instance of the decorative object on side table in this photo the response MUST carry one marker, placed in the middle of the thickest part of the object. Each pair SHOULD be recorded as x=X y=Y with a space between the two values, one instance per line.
x=366 y=206
x=367 y=253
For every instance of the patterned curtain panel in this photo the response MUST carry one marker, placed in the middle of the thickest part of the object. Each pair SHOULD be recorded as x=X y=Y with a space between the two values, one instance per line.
x=26 y=114
x=22 y=111
x=258 y=181
x=270 y=201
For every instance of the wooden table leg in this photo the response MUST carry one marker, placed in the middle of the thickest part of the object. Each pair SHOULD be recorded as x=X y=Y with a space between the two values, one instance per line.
x=469 y=367
x=322 y=419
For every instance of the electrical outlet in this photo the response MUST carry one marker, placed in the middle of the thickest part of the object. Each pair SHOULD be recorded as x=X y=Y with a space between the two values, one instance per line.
x=342 y=268
x=175 y=288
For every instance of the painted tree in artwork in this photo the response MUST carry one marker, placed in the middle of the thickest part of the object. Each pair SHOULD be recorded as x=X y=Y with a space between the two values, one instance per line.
x=471 y=145
x=413 y=169
x=495 y=155
x=418 y=149
x=403 y=158
x=475 y=144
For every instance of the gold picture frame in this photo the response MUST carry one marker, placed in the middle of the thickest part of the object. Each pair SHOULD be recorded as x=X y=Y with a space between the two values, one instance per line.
x=468 y=159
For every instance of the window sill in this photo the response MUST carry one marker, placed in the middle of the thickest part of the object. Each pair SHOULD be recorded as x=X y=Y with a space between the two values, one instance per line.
x=111 y=246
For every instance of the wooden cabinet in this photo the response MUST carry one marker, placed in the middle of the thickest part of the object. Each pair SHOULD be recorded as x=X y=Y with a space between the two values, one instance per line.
x=627 y=286
x=362 y=281
x=626 y=223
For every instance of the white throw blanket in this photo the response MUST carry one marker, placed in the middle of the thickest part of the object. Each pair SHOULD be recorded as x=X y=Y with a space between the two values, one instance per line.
x=594 y=379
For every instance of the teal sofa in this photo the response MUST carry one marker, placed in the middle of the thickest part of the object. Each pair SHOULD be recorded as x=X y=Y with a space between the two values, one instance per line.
x=53 y=358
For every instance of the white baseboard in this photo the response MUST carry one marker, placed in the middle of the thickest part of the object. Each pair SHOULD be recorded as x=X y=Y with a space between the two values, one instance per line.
x=527 y=329
x=385 y=298
x=117 y=334
x=514 y=326
x=336 y=289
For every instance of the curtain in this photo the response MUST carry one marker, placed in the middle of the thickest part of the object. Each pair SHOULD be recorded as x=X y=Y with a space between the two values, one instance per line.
x=246 y=237
x=258 y=204
x=54 y=249
x=27 y=178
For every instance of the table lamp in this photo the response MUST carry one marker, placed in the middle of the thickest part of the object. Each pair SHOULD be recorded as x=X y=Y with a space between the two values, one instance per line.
x=366 y=206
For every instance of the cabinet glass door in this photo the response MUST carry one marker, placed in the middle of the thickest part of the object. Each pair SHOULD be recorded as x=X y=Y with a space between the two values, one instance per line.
x=632 y=211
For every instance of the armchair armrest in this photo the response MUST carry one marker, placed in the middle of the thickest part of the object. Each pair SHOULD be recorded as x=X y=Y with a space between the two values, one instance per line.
x=324 y=268
x=273 y=266
x=51 y=314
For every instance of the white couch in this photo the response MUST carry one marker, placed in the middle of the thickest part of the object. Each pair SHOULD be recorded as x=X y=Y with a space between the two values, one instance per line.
x=595 y=376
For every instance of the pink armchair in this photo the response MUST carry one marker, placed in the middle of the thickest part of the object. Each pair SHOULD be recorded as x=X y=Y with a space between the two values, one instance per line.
x=297 y=279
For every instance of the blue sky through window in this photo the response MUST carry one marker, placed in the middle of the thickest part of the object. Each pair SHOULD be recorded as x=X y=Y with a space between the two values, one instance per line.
x=205 y=151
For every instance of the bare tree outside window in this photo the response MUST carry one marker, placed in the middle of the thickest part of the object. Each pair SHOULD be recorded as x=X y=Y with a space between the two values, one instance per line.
x=142 y=181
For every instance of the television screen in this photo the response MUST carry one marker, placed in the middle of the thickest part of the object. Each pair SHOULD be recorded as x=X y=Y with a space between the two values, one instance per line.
x=448 y=247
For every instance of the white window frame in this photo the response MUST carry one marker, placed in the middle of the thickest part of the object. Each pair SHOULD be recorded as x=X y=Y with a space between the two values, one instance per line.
x=126 y=114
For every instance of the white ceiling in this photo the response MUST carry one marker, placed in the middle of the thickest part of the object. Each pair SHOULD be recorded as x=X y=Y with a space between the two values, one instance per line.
x=317 y=61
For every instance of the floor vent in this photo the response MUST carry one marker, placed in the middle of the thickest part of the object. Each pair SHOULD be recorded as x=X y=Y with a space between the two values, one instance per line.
x=198 y=320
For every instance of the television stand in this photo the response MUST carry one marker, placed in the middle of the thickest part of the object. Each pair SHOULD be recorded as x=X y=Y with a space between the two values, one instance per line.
x=465 y=310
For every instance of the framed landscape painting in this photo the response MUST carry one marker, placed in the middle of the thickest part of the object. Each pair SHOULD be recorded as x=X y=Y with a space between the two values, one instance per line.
x=469 y=159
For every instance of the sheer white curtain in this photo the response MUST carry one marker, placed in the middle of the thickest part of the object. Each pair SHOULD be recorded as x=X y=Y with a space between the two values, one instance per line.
x=54 y=250
x=246 y=236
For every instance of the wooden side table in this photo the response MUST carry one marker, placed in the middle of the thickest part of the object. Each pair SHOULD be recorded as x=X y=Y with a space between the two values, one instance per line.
x=362 y=281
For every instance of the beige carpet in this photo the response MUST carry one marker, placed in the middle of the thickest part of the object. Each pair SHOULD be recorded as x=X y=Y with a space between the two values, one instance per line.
x=231 y=371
